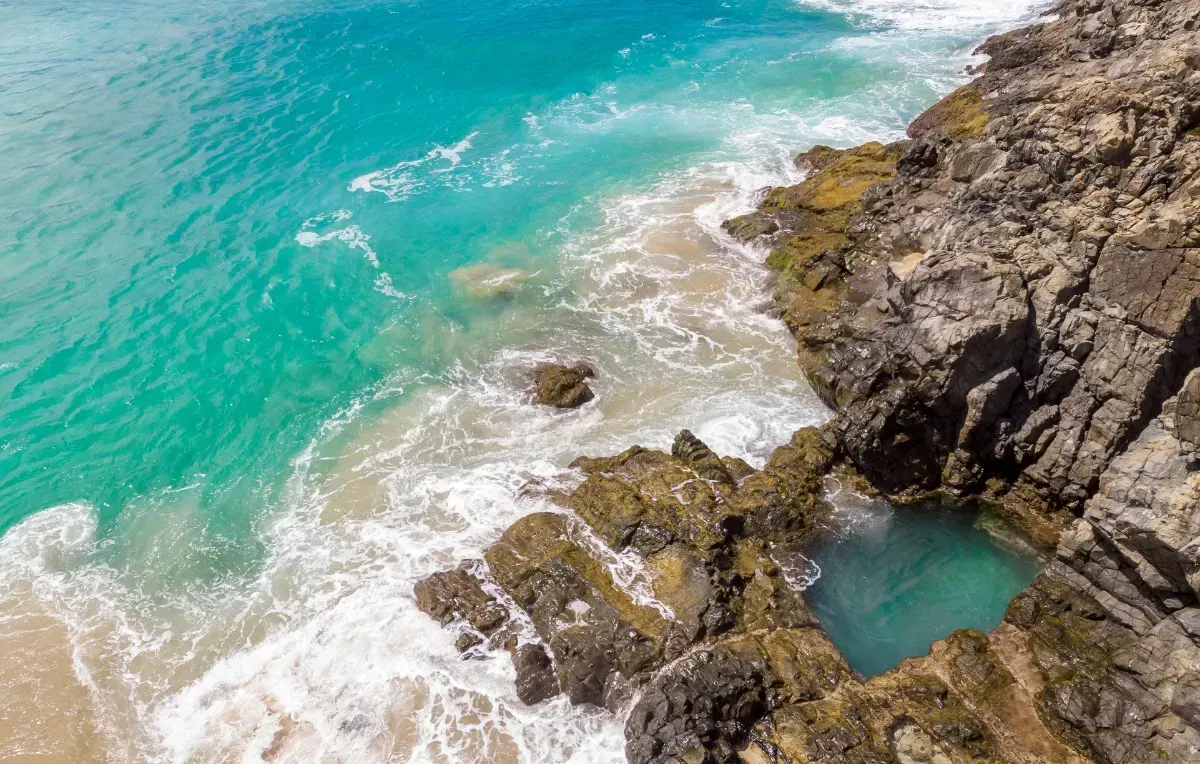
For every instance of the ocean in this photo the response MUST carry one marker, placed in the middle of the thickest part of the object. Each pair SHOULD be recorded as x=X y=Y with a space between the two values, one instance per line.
x=273 y=275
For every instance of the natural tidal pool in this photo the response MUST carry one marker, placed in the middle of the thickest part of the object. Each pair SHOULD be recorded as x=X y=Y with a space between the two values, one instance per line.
x=895 y=579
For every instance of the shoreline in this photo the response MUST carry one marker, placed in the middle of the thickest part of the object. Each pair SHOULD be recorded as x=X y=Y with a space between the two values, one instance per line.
x=273 y=694
x=936 y=347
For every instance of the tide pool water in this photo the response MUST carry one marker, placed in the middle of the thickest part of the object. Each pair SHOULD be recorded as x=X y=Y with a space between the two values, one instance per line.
x=272 y=277
x=894 y=580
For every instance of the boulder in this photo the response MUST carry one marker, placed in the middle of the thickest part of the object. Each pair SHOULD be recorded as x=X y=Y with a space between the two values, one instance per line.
x=458 y=594
x=562 y=386
x=536 y=679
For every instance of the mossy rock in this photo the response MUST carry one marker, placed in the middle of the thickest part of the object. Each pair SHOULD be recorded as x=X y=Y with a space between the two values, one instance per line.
x=840 y=184
x=959 y=116
x=562 y=386
x=748 y=227
x=830 y=730
x=648 y=499
x=760 y=596
x=808 y=666
x=798 y=251
x=543 y=569
x=817 y=158
x=974 y=668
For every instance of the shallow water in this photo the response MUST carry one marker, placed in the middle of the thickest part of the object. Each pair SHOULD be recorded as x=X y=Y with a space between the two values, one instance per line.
x=895 y=579
x=273 y=275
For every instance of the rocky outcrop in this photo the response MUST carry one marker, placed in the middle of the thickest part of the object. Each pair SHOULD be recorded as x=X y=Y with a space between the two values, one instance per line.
x=658 y=553
x=563 y=387
x=1003 y=306
x=664 y=593
x=1017 y=303
x=1061 y=681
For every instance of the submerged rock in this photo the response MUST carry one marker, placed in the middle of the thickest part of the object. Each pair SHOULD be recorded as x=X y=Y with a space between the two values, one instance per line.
x=484 y=281
x=562 y=386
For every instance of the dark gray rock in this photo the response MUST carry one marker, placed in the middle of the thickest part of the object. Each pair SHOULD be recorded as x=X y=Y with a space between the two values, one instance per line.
x=536 y=679
x=701 y=709
x=458 y=593
x=1052 y=212
x=700 y=457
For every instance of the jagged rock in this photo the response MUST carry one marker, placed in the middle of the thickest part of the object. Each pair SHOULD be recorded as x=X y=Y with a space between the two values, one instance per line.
x=562 y=386
x=1146 y=516
x=958 y=116
x=817 y=159
x=593 y=627
x=806 y=223
x=648 y=499
x=1055 y=204
x=536 y=680
x=702 y=709
x=458 y=593
x=1107 y=689
x=687 y=516
x=688 y=448
x=1187 y=411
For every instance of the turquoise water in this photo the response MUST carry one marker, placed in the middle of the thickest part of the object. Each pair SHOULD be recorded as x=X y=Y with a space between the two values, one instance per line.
x=896 y=580
x=272 y=277
x=165 y=329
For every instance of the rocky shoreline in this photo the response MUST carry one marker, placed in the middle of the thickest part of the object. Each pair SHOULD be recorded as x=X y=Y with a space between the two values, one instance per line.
x=1001 y=308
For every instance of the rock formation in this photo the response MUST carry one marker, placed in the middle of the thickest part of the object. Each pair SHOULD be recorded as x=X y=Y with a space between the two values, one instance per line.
x=658 y=552
x=563 y=387
x=1002 y=307
x=1020 y=299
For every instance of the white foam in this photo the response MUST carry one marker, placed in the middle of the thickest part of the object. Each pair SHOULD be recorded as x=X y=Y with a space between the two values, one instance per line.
x=352 y=236
x=954 y=16
x=406 y=178
x=323 y=653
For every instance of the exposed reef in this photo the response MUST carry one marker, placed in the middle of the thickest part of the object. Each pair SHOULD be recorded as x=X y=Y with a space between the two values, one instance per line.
x=1003 y=307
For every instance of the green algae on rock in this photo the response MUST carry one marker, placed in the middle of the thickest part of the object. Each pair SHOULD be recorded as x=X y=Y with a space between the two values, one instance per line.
x=806 y=225
x=704 y=546
x=959 y=116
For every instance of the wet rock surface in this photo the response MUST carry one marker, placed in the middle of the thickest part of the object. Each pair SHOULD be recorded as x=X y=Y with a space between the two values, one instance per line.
x=697 y=539
x=563 y=387
x=654 y=598
x=1003 y=307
